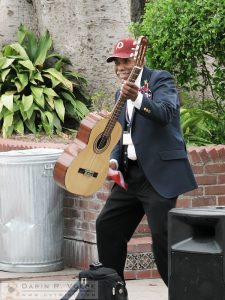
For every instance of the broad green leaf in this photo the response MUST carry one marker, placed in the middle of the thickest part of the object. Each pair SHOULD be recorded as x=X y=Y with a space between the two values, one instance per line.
x=58 y=65
x=32 y=45
x=16 y=104
x=68 y=84
x=23 y=78
x=50 y=118
x=18 y=85
x=7 y=131
x=37 y=91
x=7 y=101
x=47 y=122
x=50 y=101
x=33 y=82
x=19 y=49
x=70 y=110
x=10 y=92
x=81 y=109
x=1 y=105
x=40 y=101
x=27 y=64
x=31 y=124
x=15 y=97
x=50 y=92
x=2 y=61
x=44 y=46
x=38 y=95
x=8 y=119
x=4 y=74
x=69 y=96
x=60 y=109
x=9 y=52
x=19 y=128
x=37 y=76
x=56 y=122
x=54 y=81
x=23 y=113
x=27 y=102
x=7 y=63
x=21 y=33
x=16 y=68
x=30 y=111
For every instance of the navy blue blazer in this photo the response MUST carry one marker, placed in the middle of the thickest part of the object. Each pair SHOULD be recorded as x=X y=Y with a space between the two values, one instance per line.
x=157 y=137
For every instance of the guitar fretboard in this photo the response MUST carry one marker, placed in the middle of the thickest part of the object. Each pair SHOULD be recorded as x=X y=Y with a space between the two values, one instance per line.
x=119 y=105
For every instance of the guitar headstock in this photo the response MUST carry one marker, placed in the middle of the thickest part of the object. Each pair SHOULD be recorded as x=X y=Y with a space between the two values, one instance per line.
x=140 y=50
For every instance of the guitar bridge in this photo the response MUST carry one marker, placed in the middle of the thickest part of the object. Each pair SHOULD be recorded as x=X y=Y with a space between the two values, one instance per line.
x=87 y=172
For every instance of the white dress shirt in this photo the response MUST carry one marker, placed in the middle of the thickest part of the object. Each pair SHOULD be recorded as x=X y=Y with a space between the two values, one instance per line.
x=131 y=153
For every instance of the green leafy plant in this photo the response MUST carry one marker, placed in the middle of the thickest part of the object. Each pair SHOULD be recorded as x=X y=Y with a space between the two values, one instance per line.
x=215 y=125
x=194 y=126
x=187 y=38
x=37 y=92
x=201 y=124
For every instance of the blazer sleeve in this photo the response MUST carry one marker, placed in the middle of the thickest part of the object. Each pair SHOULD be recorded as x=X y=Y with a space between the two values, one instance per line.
x=163 y=104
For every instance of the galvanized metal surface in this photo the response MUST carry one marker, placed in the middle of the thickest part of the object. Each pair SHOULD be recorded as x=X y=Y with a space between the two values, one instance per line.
x=31 y=212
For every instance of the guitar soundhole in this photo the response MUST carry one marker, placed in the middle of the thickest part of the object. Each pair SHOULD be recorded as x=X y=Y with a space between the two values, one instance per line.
x=101 y=143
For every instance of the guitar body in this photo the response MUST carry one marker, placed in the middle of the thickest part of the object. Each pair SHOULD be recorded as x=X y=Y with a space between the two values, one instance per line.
x=83 y=167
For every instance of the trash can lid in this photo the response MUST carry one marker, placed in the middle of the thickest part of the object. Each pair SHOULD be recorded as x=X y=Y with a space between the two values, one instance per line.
x=29 y=155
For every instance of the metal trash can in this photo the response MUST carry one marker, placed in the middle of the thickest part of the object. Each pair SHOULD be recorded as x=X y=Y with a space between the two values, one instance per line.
x=31 y=212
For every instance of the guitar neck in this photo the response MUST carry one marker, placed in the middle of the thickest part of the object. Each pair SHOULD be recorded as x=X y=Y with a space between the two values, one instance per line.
x=120 y=103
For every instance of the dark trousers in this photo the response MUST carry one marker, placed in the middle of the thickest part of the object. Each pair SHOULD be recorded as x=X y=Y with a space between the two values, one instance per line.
x=121 y=215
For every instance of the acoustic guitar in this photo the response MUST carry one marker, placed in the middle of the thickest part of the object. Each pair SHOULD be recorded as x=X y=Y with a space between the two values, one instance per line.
x=83 y=166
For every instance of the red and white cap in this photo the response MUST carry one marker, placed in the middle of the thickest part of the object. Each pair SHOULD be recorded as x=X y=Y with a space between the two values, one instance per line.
x=124 y=48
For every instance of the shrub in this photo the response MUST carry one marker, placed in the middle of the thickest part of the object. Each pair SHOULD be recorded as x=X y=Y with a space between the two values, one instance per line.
x=187 y=38
x=183 y=35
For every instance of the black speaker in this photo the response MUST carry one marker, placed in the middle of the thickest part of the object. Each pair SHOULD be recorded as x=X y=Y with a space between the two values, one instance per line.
x=196 y=241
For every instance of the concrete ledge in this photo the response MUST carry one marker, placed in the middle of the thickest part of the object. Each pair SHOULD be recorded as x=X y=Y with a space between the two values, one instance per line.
x=13 y=144
x=69 y=273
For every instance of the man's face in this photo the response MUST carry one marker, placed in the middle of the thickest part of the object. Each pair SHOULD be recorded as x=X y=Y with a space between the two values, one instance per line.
x=123 y=67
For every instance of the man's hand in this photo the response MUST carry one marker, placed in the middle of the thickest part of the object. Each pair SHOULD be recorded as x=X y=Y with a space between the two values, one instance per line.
x=129 y=90
x=113 y=165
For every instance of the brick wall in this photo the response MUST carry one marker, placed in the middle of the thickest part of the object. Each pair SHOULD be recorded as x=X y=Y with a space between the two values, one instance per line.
x=80 y=213
x=208 y=164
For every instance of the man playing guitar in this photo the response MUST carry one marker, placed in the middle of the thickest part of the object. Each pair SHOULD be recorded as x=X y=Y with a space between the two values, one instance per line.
x=152 y=156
